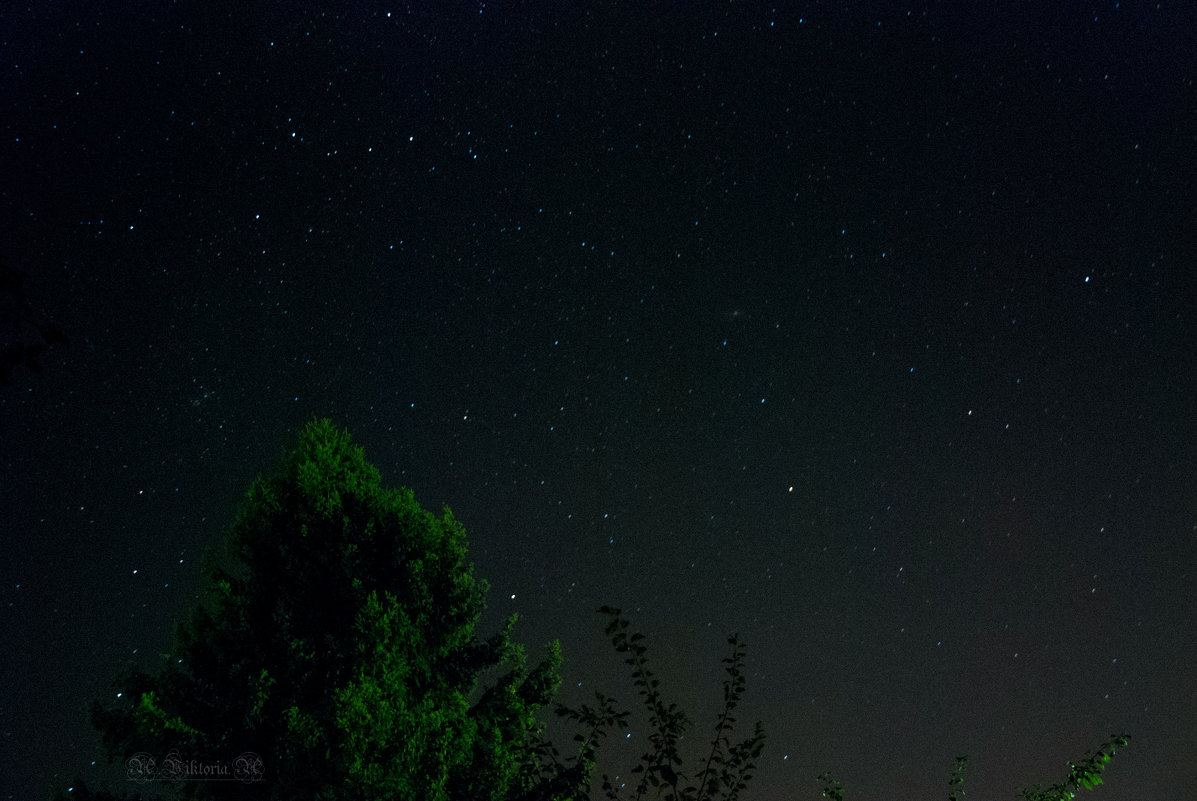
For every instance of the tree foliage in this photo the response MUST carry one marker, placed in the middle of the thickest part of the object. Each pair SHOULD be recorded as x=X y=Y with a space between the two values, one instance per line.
x=956 y=783
x=725 y=770
x=338 y=646
x=1086 y=774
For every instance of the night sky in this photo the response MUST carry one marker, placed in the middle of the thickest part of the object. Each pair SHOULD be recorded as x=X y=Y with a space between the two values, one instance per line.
x=865 y=330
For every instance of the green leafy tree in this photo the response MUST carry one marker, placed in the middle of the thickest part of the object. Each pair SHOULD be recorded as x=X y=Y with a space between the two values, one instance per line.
x=831 y=788
x=725 y=770
x=1085 y=774
x=957 y=780
x=336 y=656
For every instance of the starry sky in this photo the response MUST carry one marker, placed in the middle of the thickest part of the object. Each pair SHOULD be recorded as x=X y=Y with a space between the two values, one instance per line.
x=865 y=330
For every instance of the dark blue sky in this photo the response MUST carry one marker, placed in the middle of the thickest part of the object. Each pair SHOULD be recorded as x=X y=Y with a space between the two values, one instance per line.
x=867 y=333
